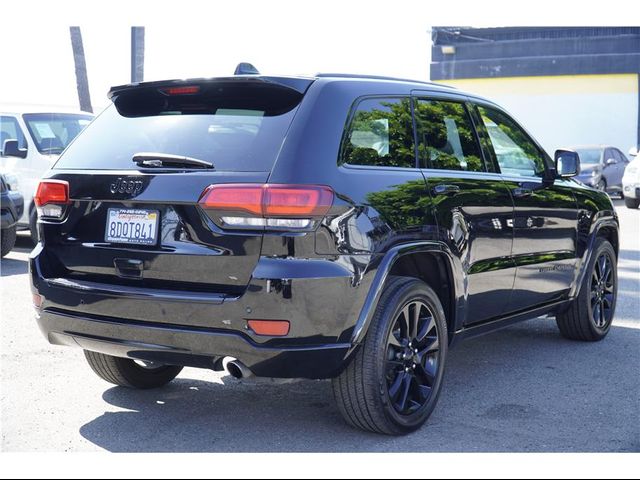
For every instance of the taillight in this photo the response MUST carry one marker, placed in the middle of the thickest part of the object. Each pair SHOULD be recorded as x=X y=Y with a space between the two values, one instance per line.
x=51 y=198
x=270 y=206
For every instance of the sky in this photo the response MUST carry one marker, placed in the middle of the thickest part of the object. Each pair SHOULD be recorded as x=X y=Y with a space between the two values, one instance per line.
x=197 y=38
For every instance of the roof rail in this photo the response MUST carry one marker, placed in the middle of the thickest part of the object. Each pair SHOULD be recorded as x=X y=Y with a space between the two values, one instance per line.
x=380 y=77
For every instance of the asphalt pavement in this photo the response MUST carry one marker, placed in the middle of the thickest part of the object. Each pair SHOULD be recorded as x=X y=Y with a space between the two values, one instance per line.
x=524 y=388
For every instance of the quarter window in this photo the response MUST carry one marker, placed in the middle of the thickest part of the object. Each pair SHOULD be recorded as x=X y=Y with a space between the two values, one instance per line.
x=515 y=151
x=380 y=134
x=446 y=137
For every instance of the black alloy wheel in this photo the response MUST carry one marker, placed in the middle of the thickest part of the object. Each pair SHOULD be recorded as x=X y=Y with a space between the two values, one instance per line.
x=603 y=291
x=412 y=358
x=393 y=382
x=590 y=314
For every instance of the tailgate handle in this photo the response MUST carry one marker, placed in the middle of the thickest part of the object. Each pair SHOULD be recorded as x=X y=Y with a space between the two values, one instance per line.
x=128 y=267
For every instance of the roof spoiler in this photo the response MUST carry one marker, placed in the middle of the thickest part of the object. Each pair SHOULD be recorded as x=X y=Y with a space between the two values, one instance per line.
x=298 y=84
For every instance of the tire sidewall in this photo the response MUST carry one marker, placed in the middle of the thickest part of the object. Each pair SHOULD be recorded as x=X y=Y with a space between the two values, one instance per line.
x=8 y=240
x=411 y=291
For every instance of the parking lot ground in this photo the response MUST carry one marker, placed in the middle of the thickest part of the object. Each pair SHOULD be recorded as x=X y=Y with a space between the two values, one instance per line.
x=524 y=388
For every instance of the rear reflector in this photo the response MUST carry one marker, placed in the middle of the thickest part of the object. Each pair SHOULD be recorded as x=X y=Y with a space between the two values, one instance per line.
x=270 y=328
x=270 y=200
x=52 y=191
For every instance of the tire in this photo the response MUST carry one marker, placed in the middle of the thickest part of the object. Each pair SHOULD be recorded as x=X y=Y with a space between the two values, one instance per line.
x=632 y=202
x=33 y=226
x=8 y=240
x=602 y=185
x=125 y=372
x=373 y=389
x=588 y=319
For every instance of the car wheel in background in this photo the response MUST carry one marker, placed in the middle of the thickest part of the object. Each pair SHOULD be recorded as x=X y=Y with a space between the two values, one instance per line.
x=125 y=372
x=33 y=226
x=8 y=240
x=602 y=186
x=632 y=202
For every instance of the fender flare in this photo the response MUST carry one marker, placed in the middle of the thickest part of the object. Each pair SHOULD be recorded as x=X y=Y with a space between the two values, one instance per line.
x=597 y=226
x=382 y=272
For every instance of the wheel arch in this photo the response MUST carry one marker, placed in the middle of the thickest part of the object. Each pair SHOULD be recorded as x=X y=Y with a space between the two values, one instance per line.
x=431 y=262
x=607 y=228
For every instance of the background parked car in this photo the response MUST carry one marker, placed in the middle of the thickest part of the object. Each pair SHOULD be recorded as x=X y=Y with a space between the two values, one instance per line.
x=602 y=167
x=631 y=181
x=31 y=139
x=11 y=207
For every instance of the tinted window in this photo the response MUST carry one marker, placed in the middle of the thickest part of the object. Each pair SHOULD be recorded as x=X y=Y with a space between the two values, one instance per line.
x=10 y=130
x=52 y=132
x=516 y=153
x=621 y=157
x=589 y=156
x=446 y=137
x=237 y=128
x=380 y=134
x=609 y=154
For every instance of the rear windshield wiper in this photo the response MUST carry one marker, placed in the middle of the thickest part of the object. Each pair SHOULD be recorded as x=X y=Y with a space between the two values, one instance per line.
x=160 y=160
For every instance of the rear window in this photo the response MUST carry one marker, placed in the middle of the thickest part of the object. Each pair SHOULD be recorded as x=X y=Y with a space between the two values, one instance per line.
x=235 y=128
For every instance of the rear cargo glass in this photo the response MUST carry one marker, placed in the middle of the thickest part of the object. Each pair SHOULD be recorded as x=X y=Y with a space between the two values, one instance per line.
x=237 y=128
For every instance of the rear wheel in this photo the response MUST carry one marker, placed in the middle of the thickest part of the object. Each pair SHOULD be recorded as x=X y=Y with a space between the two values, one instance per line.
x=631 y=202
x=590 y=315
x=8 y=240
x=392 y=384
x=125 y=372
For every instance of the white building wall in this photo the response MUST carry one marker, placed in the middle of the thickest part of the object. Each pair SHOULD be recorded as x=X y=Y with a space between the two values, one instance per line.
x=568 y=110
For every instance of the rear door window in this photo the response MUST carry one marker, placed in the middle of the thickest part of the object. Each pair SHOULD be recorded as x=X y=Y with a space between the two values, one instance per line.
x=235 y=127
x=446 y=136
x=380 y=134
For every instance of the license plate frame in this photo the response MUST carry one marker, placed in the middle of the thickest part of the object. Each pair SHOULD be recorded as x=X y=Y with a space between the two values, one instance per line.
x=149 y=225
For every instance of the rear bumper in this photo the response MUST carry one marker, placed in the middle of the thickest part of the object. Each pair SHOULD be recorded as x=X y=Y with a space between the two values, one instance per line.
x=318 y=298
x=200 y=348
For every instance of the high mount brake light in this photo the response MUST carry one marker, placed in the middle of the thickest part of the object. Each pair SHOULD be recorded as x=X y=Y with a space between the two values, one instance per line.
x=270 y=206
x=186 y=90
x=51 y=197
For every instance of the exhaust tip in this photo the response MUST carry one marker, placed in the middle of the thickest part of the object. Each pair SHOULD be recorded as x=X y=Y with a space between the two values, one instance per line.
x=237 y=369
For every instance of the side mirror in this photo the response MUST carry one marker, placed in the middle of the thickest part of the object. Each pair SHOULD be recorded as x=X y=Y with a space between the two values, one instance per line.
x=611 y=161
x=567 y=163
x=11 y=149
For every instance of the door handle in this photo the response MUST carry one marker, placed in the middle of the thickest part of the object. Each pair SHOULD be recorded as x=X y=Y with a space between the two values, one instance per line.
x=522 y=192
x=444 y=189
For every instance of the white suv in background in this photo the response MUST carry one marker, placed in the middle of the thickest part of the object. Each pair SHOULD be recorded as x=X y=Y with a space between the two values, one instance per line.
x=631 y=181
x=31 y=139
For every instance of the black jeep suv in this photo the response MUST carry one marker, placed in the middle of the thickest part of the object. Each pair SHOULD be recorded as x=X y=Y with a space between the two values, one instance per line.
x=337 y=227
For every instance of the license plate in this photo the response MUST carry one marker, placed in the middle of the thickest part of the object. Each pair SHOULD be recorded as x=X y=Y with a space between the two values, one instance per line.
x=139 y=227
